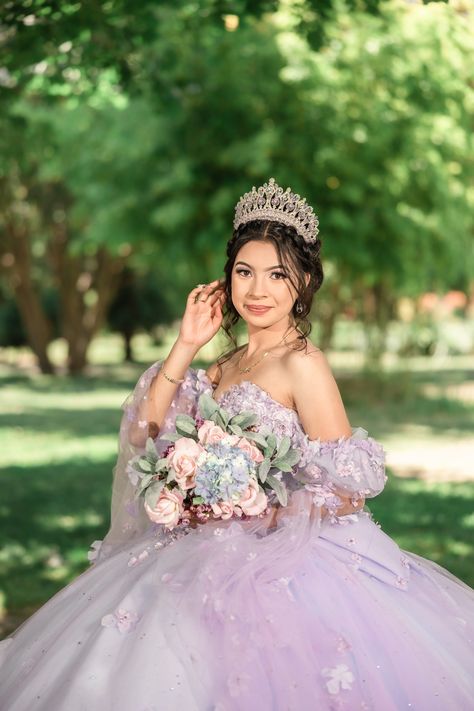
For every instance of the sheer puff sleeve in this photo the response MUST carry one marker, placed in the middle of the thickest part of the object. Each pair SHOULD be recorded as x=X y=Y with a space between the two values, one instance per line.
x=345 y=468
x=128 y=519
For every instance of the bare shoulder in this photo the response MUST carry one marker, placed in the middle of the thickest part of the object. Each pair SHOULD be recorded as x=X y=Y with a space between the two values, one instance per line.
x=213 y=372
x=308 y=363
x=316 y=394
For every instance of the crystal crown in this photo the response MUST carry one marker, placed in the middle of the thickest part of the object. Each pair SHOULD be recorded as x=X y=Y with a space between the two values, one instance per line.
x=270 y=202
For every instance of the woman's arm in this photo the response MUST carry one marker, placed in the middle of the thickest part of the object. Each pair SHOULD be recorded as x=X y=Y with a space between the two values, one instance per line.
x=201 y=321
x=320 y=407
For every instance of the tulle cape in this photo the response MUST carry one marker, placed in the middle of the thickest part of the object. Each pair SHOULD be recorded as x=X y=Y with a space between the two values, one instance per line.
x=349 y=467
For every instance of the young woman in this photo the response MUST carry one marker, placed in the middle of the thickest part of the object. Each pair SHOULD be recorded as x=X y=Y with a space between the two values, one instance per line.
x=298 y=607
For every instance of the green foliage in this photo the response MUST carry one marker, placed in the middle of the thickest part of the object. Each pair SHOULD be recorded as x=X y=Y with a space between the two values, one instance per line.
x=137 y=126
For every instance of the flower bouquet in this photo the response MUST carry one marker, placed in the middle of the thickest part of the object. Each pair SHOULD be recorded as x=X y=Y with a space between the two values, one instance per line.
x=215 y=465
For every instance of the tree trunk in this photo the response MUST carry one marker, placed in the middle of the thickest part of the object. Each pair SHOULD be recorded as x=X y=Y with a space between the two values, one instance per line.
x=378 y=305
x=329 y=311
x=16 y=262
x=87 y=285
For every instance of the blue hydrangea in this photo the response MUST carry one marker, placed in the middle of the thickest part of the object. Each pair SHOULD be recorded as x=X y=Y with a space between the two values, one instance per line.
x=224 y=475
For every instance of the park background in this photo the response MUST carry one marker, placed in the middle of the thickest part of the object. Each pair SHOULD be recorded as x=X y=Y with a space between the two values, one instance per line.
x=128 y=131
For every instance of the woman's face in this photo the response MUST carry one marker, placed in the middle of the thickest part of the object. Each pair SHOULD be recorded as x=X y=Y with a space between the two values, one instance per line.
x=262 y=293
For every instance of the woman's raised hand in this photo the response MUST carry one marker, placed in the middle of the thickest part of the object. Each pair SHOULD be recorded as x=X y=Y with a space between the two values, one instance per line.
x=203 y=315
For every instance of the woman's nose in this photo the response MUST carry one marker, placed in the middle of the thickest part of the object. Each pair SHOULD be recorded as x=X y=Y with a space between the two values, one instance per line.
x=257 y=288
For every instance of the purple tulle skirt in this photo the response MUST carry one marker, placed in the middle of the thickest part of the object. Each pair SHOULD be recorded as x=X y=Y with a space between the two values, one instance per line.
x=234 y=615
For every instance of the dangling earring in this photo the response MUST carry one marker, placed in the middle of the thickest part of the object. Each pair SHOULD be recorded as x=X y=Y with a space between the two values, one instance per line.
x=299 y=307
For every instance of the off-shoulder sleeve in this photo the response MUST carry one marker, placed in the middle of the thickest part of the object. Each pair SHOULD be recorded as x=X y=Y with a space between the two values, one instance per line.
x=128 y=519
x=349 y=466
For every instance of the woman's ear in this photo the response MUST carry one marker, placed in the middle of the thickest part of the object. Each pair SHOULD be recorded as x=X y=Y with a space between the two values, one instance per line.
x=307 y=278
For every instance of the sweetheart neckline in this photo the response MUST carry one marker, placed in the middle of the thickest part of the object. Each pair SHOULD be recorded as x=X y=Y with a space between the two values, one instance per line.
x=255 y=385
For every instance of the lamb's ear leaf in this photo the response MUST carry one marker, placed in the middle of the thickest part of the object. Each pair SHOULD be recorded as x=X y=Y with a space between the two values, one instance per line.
x=279 y=489
x=144 y=464
x=256 y=437
x=151 y=449
x=283 y=447
x=263 y=470
x=235 y=429
x=244 y=419
x=185 y=424
x=170 y=436
x=207 y=406
x=161 y=464
x=153 y=492
x=144 y=482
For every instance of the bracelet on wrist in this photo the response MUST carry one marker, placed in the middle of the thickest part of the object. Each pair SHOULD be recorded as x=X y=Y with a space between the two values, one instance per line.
x=170 y=379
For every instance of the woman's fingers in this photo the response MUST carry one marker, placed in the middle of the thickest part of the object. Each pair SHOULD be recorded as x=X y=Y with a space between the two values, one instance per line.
x=203 y=292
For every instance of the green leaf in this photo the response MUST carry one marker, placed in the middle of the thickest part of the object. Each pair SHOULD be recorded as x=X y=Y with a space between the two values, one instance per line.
x=198 y=500
x=283 y=447
x=235 y=429
x=151 y=449
x=145 y=482
x=279 y=489
x=171 y=476
x=170 y=436
x=207 y=406
x=145 y=465
x=263 y=470
x=153 y=492
x=244 y=419
x=185 y=424
x=161 y=464
x=256 y=437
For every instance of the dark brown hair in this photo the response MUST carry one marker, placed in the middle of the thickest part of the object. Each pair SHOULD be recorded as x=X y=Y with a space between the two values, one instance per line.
x=298 y=258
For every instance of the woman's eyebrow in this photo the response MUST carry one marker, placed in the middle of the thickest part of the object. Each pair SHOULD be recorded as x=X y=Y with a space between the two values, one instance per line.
x=246 y=264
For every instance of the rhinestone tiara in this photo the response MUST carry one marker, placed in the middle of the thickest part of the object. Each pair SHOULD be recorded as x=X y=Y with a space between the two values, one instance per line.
x=270 y=202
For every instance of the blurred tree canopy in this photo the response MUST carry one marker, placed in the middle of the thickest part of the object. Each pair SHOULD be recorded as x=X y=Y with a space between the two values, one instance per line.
x=129 y=130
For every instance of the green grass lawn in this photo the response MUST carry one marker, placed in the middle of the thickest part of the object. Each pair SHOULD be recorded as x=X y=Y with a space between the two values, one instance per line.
x=58 y=438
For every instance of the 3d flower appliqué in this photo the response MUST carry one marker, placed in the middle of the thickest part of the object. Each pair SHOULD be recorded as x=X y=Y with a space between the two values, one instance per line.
x=94 y=550
x=123 y=620
x=340 y=677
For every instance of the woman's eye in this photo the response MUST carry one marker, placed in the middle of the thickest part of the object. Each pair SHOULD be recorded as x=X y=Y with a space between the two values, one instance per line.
x=242 y=272
x=278 y=275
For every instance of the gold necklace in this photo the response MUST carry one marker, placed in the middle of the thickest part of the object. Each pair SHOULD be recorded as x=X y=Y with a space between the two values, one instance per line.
x=249 y=367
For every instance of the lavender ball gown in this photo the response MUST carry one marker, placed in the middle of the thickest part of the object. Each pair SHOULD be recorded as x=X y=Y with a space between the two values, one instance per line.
x=305 y=614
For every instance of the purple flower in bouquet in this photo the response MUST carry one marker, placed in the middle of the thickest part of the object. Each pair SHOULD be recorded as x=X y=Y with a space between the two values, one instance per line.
x=223 y=473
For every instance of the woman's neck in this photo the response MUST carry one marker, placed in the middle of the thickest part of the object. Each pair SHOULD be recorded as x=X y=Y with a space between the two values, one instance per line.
x=261 y=339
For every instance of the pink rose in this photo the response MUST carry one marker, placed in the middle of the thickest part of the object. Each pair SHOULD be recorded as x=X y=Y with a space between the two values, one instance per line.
x=210 y=433
x=168 y=508
x=224 y=510
x=183 y=460
x=254 y=500
x=254 y=453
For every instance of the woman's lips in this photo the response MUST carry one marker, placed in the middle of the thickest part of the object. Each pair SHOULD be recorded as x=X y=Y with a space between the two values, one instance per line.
x=258 y=309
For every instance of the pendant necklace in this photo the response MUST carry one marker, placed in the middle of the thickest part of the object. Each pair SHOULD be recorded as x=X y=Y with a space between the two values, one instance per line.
x=249 y=367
